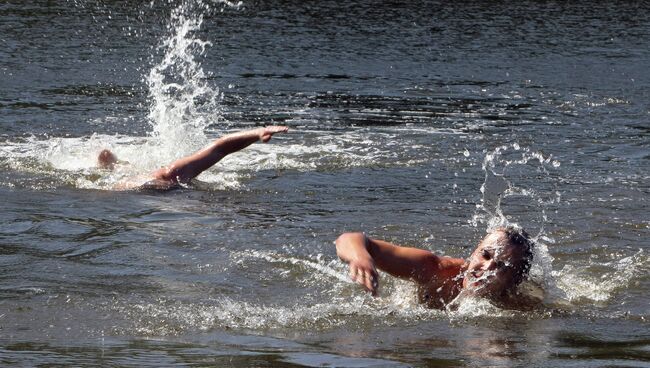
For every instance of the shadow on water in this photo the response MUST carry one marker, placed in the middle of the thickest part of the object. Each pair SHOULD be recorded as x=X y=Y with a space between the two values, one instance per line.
x=429 y=344
x=255 y=352
x=574 y=345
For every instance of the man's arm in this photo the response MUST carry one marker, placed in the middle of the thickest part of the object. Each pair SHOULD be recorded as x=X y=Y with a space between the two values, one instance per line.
x=187 y=168
x=363 y=254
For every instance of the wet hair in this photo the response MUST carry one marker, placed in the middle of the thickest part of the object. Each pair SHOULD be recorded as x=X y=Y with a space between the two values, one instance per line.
x=519 y=238
x=106 y=159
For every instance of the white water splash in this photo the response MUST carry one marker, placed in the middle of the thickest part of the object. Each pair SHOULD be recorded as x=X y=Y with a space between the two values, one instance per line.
x=502 y=167
x=274 y=257
x=182 y=104
x=473 y=307
x=590 y=284
x=168 y=317
x=182 y=101
x=571 y=284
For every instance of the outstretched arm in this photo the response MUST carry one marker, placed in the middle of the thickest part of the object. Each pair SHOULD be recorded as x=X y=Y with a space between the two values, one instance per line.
x=187 y=168
x=364 y=254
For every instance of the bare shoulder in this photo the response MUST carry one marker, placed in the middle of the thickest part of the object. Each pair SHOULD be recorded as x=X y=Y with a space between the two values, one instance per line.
x=450 y=264
x=442 y=283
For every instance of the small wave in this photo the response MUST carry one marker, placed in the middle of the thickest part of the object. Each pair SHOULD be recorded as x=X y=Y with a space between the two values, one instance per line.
x=599 y=282
x=295 y=76
x=170 y=317
x=99 y=90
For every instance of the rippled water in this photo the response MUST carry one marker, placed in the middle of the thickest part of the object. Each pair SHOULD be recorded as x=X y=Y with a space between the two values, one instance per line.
x=422 y=124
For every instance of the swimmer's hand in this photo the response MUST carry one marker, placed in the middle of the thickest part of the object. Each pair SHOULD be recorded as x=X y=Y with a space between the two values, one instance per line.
x=363 y=271
x=353 y=249
x=266 y=133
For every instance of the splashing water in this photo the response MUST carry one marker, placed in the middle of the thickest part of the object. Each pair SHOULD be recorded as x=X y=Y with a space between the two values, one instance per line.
x=502 y=167
x=571 y=284
x=169 y=316
x=182 y=105
x=591 y=285
x=182 y=101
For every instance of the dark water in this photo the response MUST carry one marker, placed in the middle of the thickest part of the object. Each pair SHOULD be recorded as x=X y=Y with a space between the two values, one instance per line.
x=407 y=121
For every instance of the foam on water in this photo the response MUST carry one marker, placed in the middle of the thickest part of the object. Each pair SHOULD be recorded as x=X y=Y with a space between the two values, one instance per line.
x=166 y=316
x=332 y=152
x=75 y=158
x=592 y=284
x=344 y=304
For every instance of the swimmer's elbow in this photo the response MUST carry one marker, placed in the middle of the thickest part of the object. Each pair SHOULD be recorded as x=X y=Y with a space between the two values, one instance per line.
x=348 y=238
x=339 y=244
x=347 y=241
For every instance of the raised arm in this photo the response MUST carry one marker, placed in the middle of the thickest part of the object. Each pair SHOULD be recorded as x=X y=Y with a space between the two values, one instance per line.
x=364 y=254
x=187 y=168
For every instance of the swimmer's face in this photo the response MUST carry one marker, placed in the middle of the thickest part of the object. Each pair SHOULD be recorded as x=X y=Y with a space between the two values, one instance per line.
x=106 y=159
x=492 y=270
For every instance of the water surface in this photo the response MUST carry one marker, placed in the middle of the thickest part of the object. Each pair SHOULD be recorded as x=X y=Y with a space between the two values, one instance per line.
x=408 y=121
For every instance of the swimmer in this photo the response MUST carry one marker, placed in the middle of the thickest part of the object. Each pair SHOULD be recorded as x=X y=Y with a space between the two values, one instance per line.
x=494 y=270
x=182 y=171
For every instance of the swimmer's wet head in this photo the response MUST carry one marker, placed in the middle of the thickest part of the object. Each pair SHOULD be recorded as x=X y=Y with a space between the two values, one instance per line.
x=106 y=159
x=499 y=263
